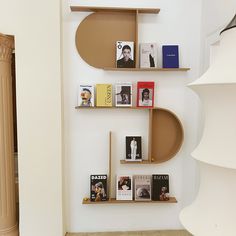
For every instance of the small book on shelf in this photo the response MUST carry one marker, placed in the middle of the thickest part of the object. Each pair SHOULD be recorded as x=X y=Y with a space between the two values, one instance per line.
x=170 y=55
x=125 y=54
x=124 y=94
x=148 y=55
x=86 y=95
x=104 y=95
x=142 y=187
x=160 y=188
x=133 y=148
x=145 y=94
x=124 y=187
x=98 y=188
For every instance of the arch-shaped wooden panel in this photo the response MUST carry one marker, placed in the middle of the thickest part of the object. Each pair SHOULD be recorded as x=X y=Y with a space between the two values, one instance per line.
x=167 y=135
x=97 y=34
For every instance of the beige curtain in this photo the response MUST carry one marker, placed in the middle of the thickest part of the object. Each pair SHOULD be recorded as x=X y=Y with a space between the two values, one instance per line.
x=8 y=219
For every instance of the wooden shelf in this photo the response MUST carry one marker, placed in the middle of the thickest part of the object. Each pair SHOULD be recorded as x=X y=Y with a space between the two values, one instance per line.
x=114 y=9
x=146 y=69
x=144 y=162
x=114 y=201
x=131 y=108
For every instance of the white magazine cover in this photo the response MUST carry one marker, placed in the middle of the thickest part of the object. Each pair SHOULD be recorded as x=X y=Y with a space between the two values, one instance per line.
x=124 y=187
x=86 y=96
x=123 y=94
x=148 y=55
x=125 y=54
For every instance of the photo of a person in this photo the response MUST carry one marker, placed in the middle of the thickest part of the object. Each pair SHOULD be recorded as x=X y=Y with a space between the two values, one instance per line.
x=164 y=196
x=124 y=95
x=133 y=147
x=146 y=97
x=124 y=183
x=151 y=56
x=99 y=191
x=124 y=55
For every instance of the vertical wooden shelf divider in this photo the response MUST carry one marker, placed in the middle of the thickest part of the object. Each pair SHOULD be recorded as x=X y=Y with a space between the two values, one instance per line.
x=150 y=136
x=136 y=41
x=110 y=164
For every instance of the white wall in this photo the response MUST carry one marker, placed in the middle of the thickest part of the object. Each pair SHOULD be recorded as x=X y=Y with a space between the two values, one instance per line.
x=216 y=14
x=36 y=27
x=86 y=132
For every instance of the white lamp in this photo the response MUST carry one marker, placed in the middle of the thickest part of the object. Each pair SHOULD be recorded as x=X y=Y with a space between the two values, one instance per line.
x=213 y=213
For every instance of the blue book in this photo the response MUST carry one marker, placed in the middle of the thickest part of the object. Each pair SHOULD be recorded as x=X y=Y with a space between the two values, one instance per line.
x=170 y=55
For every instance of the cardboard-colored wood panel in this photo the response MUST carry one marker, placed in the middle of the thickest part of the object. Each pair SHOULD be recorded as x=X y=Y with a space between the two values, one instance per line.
x=97 y=34
x=167 y=135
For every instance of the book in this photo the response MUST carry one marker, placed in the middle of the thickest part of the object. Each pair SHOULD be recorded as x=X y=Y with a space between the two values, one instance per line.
x=86 y=95
x=124 y=95
x=133 y=148
x=142 y=187
x=98 y=188
x=170 y=55
x=160 y=187
x=145 y=94
x=148 y=55
x=124 y=190
x=125 y=54
x=104 y=95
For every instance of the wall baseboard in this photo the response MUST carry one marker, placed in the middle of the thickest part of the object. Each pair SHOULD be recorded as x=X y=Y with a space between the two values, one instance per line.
x=136 y=233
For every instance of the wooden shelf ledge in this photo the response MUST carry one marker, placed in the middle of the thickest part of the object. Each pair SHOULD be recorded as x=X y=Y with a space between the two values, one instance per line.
x=144 y=162
x=131 y=108
x=146 y=69
x=114 y=201
x=114 y=9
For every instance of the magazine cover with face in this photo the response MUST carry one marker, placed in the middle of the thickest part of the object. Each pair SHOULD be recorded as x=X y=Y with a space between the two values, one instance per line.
x=142 y=187
x=145 y=94
x=160 y=188
x=98 y=188
x=86 y=96
x=125 y=54
x=124 y=95
x=124 y=190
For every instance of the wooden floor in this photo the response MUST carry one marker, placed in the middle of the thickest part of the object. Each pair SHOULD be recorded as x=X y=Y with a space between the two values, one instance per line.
x=143 y=233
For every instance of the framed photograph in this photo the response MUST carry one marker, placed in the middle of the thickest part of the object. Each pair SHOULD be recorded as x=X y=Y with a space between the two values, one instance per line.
x=133 y=148
x=125 y=54
x=148 y=55
x=142 y=187
x=124 y=190
x=124 y=95
x=86 y=96
x=145 y=94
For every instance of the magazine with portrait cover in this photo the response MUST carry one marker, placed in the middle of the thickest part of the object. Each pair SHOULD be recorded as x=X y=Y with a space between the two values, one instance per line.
x=86 y=95
x=160 y=188
x=98 y=188
x=125 y=54
x=124 y=189
x=148 y=55
x=142 y=187
x=123 y=95
x=145 y=94
x=104 y=95
x=133 y=148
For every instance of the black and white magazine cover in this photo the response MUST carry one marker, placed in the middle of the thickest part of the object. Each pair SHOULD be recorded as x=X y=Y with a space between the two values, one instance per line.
x=148 y=55
x=124 y=95
x=160 y=187
x=125 y=54
x=124 y=190
x=86 y=96
x=133 y=148
x=98 y=188
x=142 y=187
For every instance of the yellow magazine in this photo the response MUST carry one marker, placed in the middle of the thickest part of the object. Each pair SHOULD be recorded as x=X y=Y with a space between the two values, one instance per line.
x=104 y=95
